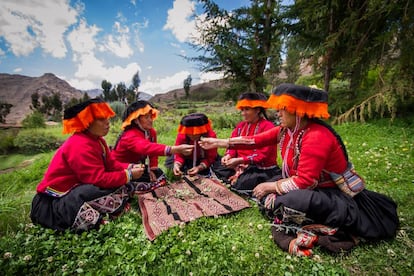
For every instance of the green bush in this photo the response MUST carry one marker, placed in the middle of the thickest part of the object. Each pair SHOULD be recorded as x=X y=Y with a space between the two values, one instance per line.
x=119 y=108
x=35 y=141
x=34 y=120
x=7 y=141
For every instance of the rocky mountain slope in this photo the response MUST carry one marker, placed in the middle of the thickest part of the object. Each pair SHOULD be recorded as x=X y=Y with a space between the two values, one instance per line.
x=17 y=90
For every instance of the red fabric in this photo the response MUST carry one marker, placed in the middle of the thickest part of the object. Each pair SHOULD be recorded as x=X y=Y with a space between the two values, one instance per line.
x=133 y=147
x=83 y=159
x=205 y=156
x=181 y=202
x=320 y=150
x=263 y=157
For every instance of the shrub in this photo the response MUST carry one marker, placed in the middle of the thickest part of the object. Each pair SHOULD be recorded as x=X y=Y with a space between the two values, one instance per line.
x=35 y=141
x=119 y=108
x=7 y=141
x=34 y=120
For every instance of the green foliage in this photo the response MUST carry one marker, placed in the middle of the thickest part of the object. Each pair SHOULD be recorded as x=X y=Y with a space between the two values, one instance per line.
x=35 y=141
x=4 y=111
x=34 y=120
x=7 y=140
x=119 y=108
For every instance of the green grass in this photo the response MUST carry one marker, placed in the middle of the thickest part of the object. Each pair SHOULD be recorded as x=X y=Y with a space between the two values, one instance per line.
x=237 y=244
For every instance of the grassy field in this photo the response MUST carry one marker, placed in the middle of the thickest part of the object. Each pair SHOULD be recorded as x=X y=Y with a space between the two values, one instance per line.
x=238 y=244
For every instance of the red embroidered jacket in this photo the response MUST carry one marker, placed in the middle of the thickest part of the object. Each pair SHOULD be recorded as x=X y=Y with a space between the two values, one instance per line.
x=207 y=157
x=134 y=147
x=264 y=157
x=319 y=150
x=82 y=159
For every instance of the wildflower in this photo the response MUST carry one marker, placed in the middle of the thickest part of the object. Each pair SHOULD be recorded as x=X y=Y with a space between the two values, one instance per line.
x=182 y=225
x=188 y=252
x=391 y=252
x=288 y=257
x=64 y=267
x=50 y=259
x=233 y=248
x=27 y=258
x=80 y=263
x=250 y=224
x=257 y=255
x=259 y=226
x=191 y=274
x=317 y=258
x=7 y=255
x=180 y=234
x=261 y=248
x=395 y=179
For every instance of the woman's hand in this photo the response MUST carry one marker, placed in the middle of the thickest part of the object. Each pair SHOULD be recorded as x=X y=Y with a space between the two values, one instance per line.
x=225 y=158
x=137 y=171
x=233 y=162
x=183 y=149
x=212 y=143
x=194 y=170
x=264 y=189
x=177 y=169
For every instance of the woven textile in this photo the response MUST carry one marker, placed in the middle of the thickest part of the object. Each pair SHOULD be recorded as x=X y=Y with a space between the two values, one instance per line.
x=184 y=201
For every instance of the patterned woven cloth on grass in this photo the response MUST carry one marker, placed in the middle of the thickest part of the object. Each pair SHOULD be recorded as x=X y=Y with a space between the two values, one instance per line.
x=184 y=201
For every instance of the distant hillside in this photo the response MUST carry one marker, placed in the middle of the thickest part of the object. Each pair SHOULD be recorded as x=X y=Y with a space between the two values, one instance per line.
x=194 y=89
x=17 y=90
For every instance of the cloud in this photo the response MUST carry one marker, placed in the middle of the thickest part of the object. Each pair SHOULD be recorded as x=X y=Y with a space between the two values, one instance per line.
x=26 y=25
x=179 y=20
x=91 y=71
x=163 y=85
x=17 y=70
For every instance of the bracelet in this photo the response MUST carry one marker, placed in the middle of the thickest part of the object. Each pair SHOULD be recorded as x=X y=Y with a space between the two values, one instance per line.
x=203 y=166
x=130 y=176
x=168 y=150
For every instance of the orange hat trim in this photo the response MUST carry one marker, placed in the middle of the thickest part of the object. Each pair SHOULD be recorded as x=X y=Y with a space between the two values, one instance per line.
x=299 y=107
x=141 y=111
x=84 y=118
x=195 y=130
x=251 y=103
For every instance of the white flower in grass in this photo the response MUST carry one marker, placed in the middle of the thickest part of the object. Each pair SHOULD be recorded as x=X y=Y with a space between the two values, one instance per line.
x=259 y=226
x=250 y=224
x=180 y=234
x=64 y=267
x=233 y=248
x=7 y=255
x=182 y=225
x=80 y=263
x=27 y=258
x=288 y=257
x=191 y=274
x=50 y=259
x=395 y=179
x=257 y=255
x=261 y=248
x=188 y=252
x=391 y=252
x=270 y=237
x=317 y=258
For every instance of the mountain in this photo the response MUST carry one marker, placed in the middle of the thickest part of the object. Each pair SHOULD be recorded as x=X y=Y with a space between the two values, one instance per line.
x=18 y=89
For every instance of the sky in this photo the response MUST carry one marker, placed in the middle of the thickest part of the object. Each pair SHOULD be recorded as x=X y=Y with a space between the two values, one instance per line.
x=87 y=41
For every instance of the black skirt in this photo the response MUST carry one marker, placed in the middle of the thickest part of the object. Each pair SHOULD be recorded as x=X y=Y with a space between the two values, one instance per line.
x=59 y=213
x=368 y=215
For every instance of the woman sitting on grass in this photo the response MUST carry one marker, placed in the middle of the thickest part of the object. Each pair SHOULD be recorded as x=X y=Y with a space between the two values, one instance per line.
x=138 y=144
x=306 y=205
x=244 y=169
x=192 y=127
x=83 y=182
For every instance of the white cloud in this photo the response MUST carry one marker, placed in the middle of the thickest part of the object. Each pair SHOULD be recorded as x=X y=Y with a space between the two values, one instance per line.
x=91 y=70
x=26 y=25
x=179 y=20
x=118 y=43
x=206 y=77
x=163 y=85
x=17 y=70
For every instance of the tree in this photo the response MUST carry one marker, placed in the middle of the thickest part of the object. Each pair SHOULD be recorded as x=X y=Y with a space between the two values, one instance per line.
x=136 y=81
x=243 y=43
x=106 y=87
x=4 y=111
x=187 y=85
